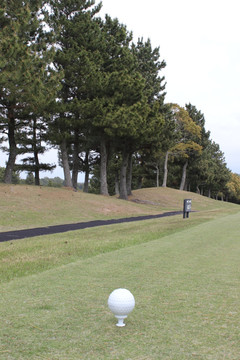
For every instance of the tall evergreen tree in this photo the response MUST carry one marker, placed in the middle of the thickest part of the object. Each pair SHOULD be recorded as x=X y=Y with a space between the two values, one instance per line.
x=26 y=81
x=149 y=133
x=218 y=174
x=208 y=169
x=149 y=65
x=78 y=56
x=198 y=166
x=132 y=116
x=118 y=70
x=31 y=145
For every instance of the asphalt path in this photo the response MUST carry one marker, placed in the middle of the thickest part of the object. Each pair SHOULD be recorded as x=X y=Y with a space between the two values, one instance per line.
x=55 y=229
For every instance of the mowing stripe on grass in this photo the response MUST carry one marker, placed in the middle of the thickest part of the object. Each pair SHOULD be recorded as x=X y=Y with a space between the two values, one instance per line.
x=187 y=292
x=55 y=229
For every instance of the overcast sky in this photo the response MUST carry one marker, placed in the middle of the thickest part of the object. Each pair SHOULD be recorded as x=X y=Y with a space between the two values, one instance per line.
x=200 y=42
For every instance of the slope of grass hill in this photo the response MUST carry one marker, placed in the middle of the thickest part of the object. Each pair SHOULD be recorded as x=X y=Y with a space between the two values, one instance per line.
x=29 y=206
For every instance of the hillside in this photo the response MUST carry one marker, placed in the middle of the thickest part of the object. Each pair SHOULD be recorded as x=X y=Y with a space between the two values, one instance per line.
x=29 y=206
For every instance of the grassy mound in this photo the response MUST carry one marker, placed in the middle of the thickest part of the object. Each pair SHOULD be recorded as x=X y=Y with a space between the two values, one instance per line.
x=29 y=206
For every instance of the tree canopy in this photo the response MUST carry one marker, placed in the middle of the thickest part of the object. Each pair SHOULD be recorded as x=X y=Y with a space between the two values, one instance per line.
x=74 y=81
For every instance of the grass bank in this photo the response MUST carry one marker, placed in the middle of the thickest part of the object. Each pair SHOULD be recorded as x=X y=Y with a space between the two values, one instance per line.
x=24 y=206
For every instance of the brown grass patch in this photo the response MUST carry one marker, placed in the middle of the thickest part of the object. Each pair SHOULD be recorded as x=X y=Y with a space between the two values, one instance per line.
x=24 y=206
x=172 y=199
x=30 y=206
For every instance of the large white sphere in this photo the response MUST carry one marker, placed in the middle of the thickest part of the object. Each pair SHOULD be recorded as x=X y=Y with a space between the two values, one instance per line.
x=121 y=302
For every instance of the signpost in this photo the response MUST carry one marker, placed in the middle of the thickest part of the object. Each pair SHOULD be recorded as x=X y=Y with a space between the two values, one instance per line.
x=187 y=207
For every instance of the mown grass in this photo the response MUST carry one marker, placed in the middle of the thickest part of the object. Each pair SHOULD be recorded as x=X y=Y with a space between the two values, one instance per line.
x=29 y=206
x=184 y=275
x=187 y=291
x=33 y=255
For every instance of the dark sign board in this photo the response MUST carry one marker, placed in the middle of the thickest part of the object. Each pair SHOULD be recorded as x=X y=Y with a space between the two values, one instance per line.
x=187 y=207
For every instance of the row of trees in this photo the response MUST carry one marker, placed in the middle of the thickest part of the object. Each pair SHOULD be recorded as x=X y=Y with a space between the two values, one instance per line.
x=71 y=80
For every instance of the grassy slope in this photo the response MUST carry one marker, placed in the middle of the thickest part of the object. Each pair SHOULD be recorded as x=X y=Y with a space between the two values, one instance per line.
x=186 y=287
x=28 y=206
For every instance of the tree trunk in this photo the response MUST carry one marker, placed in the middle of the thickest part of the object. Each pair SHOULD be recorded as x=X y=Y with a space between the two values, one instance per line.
x=117 y=183
x=129 y=175
x=209 y=193
x=103 y=169
x=184 y=175
x=165 y=170
x=123 y=176
x=65 y=163
x=35 y=154
x=75 y=168
x=86 y=179
x=86 y=182
x=36 y=171
x=139 y=182
x=12 y=150
x=157 y=176
x=140 y=178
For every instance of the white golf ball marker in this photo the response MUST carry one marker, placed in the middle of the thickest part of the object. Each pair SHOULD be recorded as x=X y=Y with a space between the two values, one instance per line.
x=121 y=302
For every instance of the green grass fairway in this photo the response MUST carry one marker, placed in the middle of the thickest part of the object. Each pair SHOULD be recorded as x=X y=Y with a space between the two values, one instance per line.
x=186 y=286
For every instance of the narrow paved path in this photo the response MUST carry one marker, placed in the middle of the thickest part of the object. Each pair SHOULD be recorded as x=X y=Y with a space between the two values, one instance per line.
x=55 y=229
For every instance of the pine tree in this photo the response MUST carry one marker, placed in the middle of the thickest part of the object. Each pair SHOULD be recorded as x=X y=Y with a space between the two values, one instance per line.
x=119 y=79
x=132 y=117
x=26 y=81
x=218 y=174
x=150 y=66
x=198 y=166
x=31 y=145
x=147 y=62
x=78 y=56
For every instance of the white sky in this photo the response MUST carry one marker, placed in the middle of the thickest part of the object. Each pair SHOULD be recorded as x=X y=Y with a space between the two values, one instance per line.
x=200 y=42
